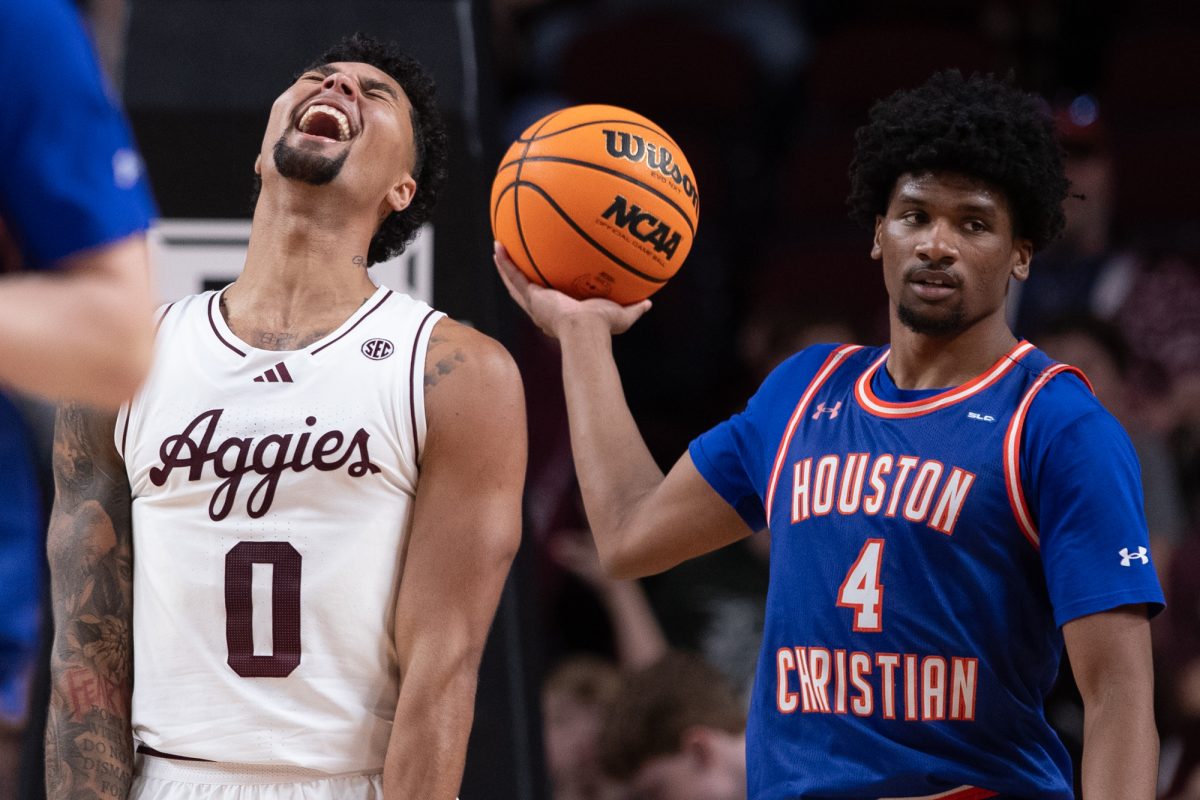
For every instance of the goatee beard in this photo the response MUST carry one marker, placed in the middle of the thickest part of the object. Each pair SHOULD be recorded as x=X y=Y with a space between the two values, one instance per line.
x=301 y=165
x=951 y=323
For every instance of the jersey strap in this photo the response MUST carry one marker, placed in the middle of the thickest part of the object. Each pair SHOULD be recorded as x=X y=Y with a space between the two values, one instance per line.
x=828 y=368
x=1012 y=451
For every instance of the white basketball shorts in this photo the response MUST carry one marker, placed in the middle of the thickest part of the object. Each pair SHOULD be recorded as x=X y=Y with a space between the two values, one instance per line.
x=170 y=779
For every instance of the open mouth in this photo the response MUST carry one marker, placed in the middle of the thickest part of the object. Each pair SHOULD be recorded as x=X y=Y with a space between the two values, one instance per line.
x=326 y=122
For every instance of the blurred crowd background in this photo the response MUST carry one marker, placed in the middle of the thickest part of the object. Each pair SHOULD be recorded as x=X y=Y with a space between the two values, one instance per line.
x=642 y=685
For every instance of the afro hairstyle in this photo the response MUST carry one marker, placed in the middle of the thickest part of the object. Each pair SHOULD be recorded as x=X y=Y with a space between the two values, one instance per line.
x=429 y=138
x=978 y=126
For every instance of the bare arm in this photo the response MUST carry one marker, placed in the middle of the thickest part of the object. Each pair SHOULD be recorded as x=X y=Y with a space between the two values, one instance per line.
x=1110 y=656
x=640 y=640
x=89 y=545
x=643 y=522
x=466 y=529
x=83 y=333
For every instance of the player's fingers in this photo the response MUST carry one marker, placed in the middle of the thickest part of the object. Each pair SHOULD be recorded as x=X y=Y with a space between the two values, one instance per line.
x=631 y=314
x=514 y=281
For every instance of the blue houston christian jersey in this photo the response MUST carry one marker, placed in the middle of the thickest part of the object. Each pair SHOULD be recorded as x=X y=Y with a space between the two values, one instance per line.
x=926 y=547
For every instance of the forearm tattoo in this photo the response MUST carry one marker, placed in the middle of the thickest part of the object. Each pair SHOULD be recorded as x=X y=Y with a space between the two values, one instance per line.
x=89 y=745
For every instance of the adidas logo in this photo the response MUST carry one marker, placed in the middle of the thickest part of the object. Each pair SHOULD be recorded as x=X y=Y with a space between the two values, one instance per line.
x=276 y=374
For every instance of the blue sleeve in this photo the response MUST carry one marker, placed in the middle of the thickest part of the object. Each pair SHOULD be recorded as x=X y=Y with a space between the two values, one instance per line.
x=1085 y=492
x=736 y=456
x=70 y=178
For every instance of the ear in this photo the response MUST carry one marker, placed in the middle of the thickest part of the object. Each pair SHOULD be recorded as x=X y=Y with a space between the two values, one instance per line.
x=1022 y=255
x=876 y=250
x=401 y=194
x=258 y=165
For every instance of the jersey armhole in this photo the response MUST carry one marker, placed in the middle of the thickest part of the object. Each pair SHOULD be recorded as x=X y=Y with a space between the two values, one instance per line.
x=1013 y=438
x=416 y=381
x=121 y=429
x=834 y=360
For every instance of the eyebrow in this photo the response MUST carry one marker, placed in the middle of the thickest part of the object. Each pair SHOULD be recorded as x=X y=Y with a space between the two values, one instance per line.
x=977 y=208
x=367 y=84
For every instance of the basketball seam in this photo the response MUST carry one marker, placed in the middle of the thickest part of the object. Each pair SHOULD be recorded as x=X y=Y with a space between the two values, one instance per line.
x=616 y=174
x=558 y=209
x=655 y=128
x=517 y=203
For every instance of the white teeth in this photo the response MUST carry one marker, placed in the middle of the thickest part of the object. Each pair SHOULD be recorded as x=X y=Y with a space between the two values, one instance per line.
x=342 y=121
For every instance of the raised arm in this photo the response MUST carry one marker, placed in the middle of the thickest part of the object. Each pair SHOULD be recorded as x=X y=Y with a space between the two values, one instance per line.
x=89 y=545
x=1110 y=657
x=83 y=333
x=644 y=522
x=465 y=531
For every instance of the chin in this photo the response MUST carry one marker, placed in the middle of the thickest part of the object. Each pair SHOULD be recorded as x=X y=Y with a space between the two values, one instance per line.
x=948 y=323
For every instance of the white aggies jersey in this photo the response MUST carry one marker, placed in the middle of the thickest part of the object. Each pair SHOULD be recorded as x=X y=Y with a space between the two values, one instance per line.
x=272 y=496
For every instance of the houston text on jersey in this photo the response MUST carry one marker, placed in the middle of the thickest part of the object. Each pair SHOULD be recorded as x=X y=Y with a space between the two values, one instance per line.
x=923 y=490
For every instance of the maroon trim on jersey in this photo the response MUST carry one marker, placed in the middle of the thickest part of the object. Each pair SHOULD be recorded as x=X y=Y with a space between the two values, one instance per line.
x=356 y=324
x=213 y=323
x=412 y=387
x=150 y=751
x=161 y=317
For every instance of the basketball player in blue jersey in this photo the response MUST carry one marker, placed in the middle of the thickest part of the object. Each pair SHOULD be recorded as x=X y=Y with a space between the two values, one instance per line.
x=274 y=570
x=945 y=512
x=74 y=201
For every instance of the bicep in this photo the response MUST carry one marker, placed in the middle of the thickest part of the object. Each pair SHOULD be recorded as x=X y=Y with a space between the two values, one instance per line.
x=467 y=517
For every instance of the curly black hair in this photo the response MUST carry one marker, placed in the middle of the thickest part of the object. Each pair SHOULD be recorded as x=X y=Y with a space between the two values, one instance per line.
x=429 y=137
x=978 y=126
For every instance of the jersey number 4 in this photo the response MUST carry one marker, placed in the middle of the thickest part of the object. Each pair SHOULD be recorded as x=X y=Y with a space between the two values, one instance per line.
x=862 y=591
x=285 y=609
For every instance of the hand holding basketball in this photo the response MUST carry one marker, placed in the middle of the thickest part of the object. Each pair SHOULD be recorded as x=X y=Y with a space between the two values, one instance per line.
x=596 y=201
x=550 y=308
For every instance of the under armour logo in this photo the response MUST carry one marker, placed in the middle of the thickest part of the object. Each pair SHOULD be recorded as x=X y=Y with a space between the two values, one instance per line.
x=832 y=411
x=1128 y=557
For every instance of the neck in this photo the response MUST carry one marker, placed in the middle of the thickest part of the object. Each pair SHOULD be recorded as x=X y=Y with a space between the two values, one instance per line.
x=920 y=361
x=305 y=249
x=305 y=271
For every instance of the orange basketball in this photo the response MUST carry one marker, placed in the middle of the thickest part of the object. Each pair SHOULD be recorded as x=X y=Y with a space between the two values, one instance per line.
x=596 y=201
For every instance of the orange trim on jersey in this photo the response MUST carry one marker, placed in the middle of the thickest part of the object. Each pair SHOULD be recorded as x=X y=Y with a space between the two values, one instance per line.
x=882 y=408
x=961 y=793
x=1012 y=452
x=831 y=363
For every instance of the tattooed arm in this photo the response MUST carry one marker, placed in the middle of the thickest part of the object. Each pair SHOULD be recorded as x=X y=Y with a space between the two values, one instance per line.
x=465 y=531
x=89 y=745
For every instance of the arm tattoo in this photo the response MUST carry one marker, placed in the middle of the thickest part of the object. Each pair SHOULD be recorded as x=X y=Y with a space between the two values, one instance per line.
x=438 y=362
x=89 y=745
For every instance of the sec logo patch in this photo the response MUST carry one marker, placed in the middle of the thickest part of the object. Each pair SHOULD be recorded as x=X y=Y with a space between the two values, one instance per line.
x=377 y=349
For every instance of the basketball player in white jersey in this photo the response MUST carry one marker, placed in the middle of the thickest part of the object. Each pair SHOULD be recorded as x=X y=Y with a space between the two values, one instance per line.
x=274 y=570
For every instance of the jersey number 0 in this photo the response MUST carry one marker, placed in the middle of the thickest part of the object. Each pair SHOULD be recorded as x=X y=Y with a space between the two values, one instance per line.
x=285 y=609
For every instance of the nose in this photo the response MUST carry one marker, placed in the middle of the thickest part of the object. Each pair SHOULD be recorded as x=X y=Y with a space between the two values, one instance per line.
x=938 y=243
x=341 y=83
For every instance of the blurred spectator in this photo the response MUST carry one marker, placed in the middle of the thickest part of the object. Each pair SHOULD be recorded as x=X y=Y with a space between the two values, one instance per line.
x=1179 y=663
x=677 y=731
x=1081 y=272
x=575 y=698
x=637 y=636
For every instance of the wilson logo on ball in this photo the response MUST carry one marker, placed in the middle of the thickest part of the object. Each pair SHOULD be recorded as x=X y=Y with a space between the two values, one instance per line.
x=630 y=146
x=646 y=227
